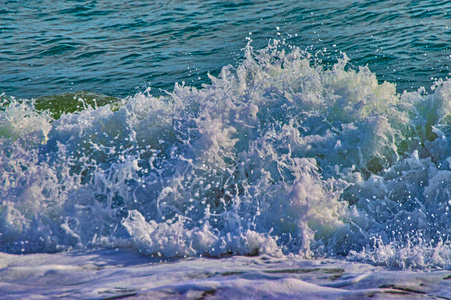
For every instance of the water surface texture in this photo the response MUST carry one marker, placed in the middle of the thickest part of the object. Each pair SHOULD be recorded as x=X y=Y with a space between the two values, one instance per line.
x=121 y=47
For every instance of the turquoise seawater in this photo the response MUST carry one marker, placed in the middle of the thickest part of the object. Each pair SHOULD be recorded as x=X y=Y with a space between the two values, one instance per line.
x=191 y=128
x=119 y=48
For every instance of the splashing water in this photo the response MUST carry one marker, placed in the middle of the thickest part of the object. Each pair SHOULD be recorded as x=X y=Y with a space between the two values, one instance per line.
x=279 y=155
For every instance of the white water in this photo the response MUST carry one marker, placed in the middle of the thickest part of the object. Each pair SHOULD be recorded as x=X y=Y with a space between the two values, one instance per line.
x=115 y=274
x=277 y=156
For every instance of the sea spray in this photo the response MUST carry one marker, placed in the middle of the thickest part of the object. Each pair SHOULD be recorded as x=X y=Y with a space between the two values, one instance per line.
x=278 y=155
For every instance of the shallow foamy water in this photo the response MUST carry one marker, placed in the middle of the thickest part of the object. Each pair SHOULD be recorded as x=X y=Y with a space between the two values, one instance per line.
x=121 y=274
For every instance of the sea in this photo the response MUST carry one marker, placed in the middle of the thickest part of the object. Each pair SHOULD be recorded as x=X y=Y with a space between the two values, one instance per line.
x=225 y=149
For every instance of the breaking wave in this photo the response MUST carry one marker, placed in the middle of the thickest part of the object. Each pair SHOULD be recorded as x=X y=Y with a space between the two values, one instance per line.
x=279 y=155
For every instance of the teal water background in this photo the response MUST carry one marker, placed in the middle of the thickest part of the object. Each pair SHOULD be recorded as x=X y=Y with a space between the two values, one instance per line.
x=119 y=48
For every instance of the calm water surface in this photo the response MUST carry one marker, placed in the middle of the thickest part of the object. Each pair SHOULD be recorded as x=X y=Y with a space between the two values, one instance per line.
x=121 y=47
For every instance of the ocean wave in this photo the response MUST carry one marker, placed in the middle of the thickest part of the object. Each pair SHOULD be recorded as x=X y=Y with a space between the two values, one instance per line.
x=279 y=155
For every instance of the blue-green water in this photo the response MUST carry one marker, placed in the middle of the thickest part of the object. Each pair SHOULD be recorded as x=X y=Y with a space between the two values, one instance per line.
x=121 y=47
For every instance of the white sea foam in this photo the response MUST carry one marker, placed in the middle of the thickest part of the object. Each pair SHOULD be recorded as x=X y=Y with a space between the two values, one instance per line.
x=278 y=155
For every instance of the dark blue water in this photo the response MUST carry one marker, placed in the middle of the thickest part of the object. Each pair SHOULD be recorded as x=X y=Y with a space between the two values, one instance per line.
x=121 y=47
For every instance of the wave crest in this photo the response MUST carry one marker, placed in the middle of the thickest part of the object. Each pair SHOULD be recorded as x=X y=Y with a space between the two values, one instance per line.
x=277 y=155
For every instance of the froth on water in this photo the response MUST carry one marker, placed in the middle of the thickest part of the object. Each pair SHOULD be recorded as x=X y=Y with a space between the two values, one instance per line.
x=279 y=155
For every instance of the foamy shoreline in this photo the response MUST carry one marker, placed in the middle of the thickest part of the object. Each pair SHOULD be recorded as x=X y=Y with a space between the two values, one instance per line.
x=113 y=274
